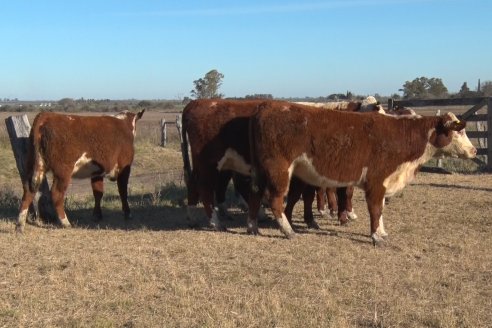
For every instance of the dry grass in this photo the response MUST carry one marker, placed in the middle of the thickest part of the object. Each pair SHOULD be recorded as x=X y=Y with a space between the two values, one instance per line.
x=435 y=270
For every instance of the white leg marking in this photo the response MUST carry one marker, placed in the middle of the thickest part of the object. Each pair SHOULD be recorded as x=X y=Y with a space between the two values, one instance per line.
x=285 y=226
x=381 y=232
x=21 y=221
x=351 y=215
x=64 y=222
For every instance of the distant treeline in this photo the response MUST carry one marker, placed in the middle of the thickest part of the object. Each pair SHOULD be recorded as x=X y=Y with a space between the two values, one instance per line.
x=90 y=105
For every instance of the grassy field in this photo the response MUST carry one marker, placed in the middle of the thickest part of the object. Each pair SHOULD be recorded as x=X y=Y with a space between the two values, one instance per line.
x=154 y=271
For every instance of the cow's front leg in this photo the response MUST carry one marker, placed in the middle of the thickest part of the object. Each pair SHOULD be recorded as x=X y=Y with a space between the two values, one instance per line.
x=374 y=201
x=277 y=203
x=381 y=231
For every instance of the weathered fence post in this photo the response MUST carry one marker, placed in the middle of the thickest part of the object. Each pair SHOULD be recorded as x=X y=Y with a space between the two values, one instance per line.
x=163 y=133
x=489 y=134
x=439 y=161
x=178 y=127
x=18 y=128
x=390 y=104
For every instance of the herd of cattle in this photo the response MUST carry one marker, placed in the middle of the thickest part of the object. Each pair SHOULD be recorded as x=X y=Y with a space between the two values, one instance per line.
x=271 y=150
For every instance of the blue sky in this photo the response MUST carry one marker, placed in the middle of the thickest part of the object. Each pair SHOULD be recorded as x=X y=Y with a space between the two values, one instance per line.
x=122 y=49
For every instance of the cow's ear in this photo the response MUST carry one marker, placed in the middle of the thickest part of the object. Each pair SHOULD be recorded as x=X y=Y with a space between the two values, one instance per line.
x=455 y=125
x=140 y=114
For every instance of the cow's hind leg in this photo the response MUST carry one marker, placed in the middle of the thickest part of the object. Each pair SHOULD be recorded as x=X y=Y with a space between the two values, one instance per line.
x=58 y=189
x=27 y=199
x=97 y=184
x=122 y=182
x=295 y=191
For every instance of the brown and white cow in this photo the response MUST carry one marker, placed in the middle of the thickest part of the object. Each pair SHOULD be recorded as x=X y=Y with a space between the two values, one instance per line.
x=217 y=133
x=79 y=147
x=378 y=153
x=326 y=198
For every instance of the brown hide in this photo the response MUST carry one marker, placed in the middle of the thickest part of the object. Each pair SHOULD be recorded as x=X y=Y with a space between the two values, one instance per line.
x=211 y=126
x=58 y=142
x=344 y=149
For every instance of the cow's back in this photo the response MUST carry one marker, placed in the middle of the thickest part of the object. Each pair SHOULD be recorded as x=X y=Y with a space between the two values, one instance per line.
x=63 y=139
x=341 y=146
x=216 y=125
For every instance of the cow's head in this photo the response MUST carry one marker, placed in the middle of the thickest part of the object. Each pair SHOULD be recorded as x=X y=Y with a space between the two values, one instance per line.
x=450 y=138
x=132 y=118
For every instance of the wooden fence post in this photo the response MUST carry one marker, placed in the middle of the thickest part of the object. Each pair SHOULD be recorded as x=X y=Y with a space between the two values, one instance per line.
x=178 y=126
x=439 y=161
x=163 y=133
x=18 y=128
x=390 y=104
x=489 y=134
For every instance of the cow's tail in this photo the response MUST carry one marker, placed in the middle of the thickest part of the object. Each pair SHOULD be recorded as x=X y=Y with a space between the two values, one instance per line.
x=35 y=169
x=255 y=179
x=185 y=153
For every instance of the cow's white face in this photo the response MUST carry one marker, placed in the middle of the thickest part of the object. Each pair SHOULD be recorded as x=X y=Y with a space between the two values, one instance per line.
x=459 y=145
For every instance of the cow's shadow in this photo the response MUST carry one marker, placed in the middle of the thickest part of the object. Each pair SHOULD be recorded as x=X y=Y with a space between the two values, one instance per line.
x=165 y=211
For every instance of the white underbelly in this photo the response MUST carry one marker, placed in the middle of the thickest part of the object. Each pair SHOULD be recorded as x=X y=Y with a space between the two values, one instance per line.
x=302 y=167
x=232 y=160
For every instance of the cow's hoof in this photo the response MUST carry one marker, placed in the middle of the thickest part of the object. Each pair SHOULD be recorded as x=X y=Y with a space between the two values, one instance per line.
x=352 y=215
x=377 y=240
x=64 y=223
x=312 y=225
x=323 y=213
x=19 y=228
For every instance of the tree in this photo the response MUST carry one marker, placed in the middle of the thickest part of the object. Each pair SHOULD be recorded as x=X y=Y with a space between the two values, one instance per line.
x=486 y=88
x=424 y=87
x=208 y=86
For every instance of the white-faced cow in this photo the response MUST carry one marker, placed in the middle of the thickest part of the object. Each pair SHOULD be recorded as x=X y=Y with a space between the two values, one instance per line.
x=378 y=153
x=79 y=147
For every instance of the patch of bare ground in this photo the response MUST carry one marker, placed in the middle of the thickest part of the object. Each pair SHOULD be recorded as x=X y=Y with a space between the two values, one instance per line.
x=434 y=271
